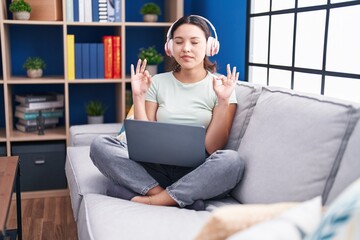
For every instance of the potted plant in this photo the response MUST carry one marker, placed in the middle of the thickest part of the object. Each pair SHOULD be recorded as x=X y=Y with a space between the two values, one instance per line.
x=34 y=67
x=153 y=58
x=95 y=111
x=20 y=9
x=150 y=12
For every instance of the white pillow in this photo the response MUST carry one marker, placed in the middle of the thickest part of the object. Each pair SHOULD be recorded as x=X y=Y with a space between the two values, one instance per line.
x=228 y=220
x=293 y=224
x=342 y=218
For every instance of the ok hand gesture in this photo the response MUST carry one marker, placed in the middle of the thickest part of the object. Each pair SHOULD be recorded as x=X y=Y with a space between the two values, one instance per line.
x=141 y=79
x=225 y=85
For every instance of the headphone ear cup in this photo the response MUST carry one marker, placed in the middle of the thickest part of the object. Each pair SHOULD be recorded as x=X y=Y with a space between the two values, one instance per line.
x=212 y=47
x=169 y=47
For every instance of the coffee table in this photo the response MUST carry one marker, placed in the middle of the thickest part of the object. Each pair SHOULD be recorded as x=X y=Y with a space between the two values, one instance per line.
x=9 y=174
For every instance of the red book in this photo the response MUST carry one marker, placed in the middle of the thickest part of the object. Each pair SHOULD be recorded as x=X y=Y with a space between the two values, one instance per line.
x=116 y=57
x=108 y=56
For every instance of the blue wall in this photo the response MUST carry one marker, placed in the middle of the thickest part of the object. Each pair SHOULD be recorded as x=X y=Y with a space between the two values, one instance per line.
x=229 y=20
x=228 y=17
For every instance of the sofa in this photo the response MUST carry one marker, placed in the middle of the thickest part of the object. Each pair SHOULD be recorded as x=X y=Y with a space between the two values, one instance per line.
x=296 y=146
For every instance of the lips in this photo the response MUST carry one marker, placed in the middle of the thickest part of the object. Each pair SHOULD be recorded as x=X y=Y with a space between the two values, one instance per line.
x=186 y=57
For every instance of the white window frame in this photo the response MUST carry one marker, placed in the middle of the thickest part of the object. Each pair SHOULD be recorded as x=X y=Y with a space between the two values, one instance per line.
x=266 y=12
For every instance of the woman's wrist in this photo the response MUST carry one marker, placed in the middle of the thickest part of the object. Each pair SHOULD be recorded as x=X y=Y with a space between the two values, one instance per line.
x=138 y=97
x=223 y=102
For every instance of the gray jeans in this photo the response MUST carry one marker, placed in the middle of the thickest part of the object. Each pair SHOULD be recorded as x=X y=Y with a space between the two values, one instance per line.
x=217 y=175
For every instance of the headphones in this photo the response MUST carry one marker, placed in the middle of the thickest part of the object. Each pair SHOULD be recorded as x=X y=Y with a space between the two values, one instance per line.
x=212 y=44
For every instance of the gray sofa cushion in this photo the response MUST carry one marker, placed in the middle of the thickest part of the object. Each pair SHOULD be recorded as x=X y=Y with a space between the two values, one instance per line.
x=290 y=146
x=82 y=176
x=349 y=169
x=82 y=135
x=103 y=217
x=246 y=95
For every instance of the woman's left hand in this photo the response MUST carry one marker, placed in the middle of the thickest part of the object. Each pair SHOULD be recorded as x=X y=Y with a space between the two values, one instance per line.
x=224 y=85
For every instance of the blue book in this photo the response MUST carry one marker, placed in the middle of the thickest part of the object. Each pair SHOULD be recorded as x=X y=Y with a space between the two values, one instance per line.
x=95 y=10
x=85 y=48
x=93 y=60
x=76 y=10
x=100 y=60
x=78 y=61
x=117 y=10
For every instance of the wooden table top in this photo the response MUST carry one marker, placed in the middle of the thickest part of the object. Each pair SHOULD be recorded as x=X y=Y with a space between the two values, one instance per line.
x=8 y=169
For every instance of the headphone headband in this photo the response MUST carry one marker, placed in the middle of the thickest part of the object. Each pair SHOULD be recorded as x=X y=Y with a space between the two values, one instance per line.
x=212 y=44
x=206 y=20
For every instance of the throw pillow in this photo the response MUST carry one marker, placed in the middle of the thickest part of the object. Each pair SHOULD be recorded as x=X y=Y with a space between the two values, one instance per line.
x=228 y=220
x=130 y=115
x=297 y=140
x=293 y=224
x=342 y=218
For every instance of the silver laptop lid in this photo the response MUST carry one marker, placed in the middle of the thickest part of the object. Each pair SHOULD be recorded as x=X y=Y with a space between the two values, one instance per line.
x=165 y=143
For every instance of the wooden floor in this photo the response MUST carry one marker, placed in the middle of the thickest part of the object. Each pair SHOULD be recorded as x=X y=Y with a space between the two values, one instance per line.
x=45 y=219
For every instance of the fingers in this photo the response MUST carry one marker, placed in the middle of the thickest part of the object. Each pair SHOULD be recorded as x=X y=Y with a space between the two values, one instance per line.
x=232 y=74
x=228 y=70
x=143 y=66
x=138 y=65
x=132 y=71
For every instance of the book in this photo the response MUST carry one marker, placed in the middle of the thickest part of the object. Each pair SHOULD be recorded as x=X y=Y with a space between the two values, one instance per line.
x=95 y=10
x=111 y=10
x=78 y=61
x=33 y=122
x=108 y=57
x=42 y=105
x=70 y=42
x=85 y=60
x=82 y=10
x=116 y=57
x=100 y=60
x=117 y=13
x=46 y=113
x=103 y=14
x=93 y=60
x=88 y=11
x=35 y=97
x=69 y=10
x=76 y=10
x=24 y=128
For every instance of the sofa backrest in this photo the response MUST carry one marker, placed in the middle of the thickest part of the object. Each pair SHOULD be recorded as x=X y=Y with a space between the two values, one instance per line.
x=293 y=145
x=247 y=96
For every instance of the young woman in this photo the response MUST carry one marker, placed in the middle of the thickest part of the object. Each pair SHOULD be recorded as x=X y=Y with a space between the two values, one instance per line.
x=190 y=94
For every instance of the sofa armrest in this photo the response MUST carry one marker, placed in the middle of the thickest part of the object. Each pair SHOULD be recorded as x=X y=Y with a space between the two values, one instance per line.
x=82 y=135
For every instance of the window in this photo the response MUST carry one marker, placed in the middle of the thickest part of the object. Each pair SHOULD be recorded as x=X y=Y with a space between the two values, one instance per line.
x=309 y=46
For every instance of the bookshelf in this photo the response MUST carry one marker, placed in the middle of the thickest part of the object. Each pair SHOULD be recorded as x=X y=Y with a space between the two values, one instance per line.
x=20 y=39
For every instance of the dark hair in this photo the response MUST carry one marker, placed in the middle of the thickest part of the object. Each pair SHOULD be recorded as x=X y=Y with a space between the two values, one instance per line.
x=203 y=25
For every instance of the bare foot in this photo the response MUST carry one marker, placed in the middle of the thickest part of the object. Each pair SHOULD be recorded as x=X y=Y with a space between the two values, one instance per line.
x=141 y=199
x=161 y=199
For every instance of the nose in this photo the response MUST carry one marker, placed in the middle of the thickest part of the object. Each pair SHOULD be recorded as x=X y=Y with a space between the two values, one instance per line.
x=186 y=47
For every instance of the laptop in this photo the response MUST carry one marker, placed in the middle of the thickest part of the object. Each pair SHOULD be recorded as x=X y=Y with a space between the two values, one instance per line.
x=165 y=143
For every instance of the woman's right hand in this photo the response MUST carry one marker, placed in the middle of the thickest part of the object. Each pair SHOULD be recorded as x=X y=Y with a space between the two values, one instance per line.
x=140 y=79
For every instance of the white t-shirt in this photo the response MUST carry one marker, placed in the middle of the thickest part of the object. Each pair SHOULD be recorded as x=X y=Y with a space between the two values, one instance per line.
x=183 y=103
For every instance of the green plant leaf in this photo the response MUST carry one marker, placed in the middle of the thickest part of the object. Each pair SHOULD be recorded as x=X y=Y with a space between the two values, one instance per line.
x=95 y=108
x=151 y=55
x=34 y=63
x=150 y=8
x=19 y=6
